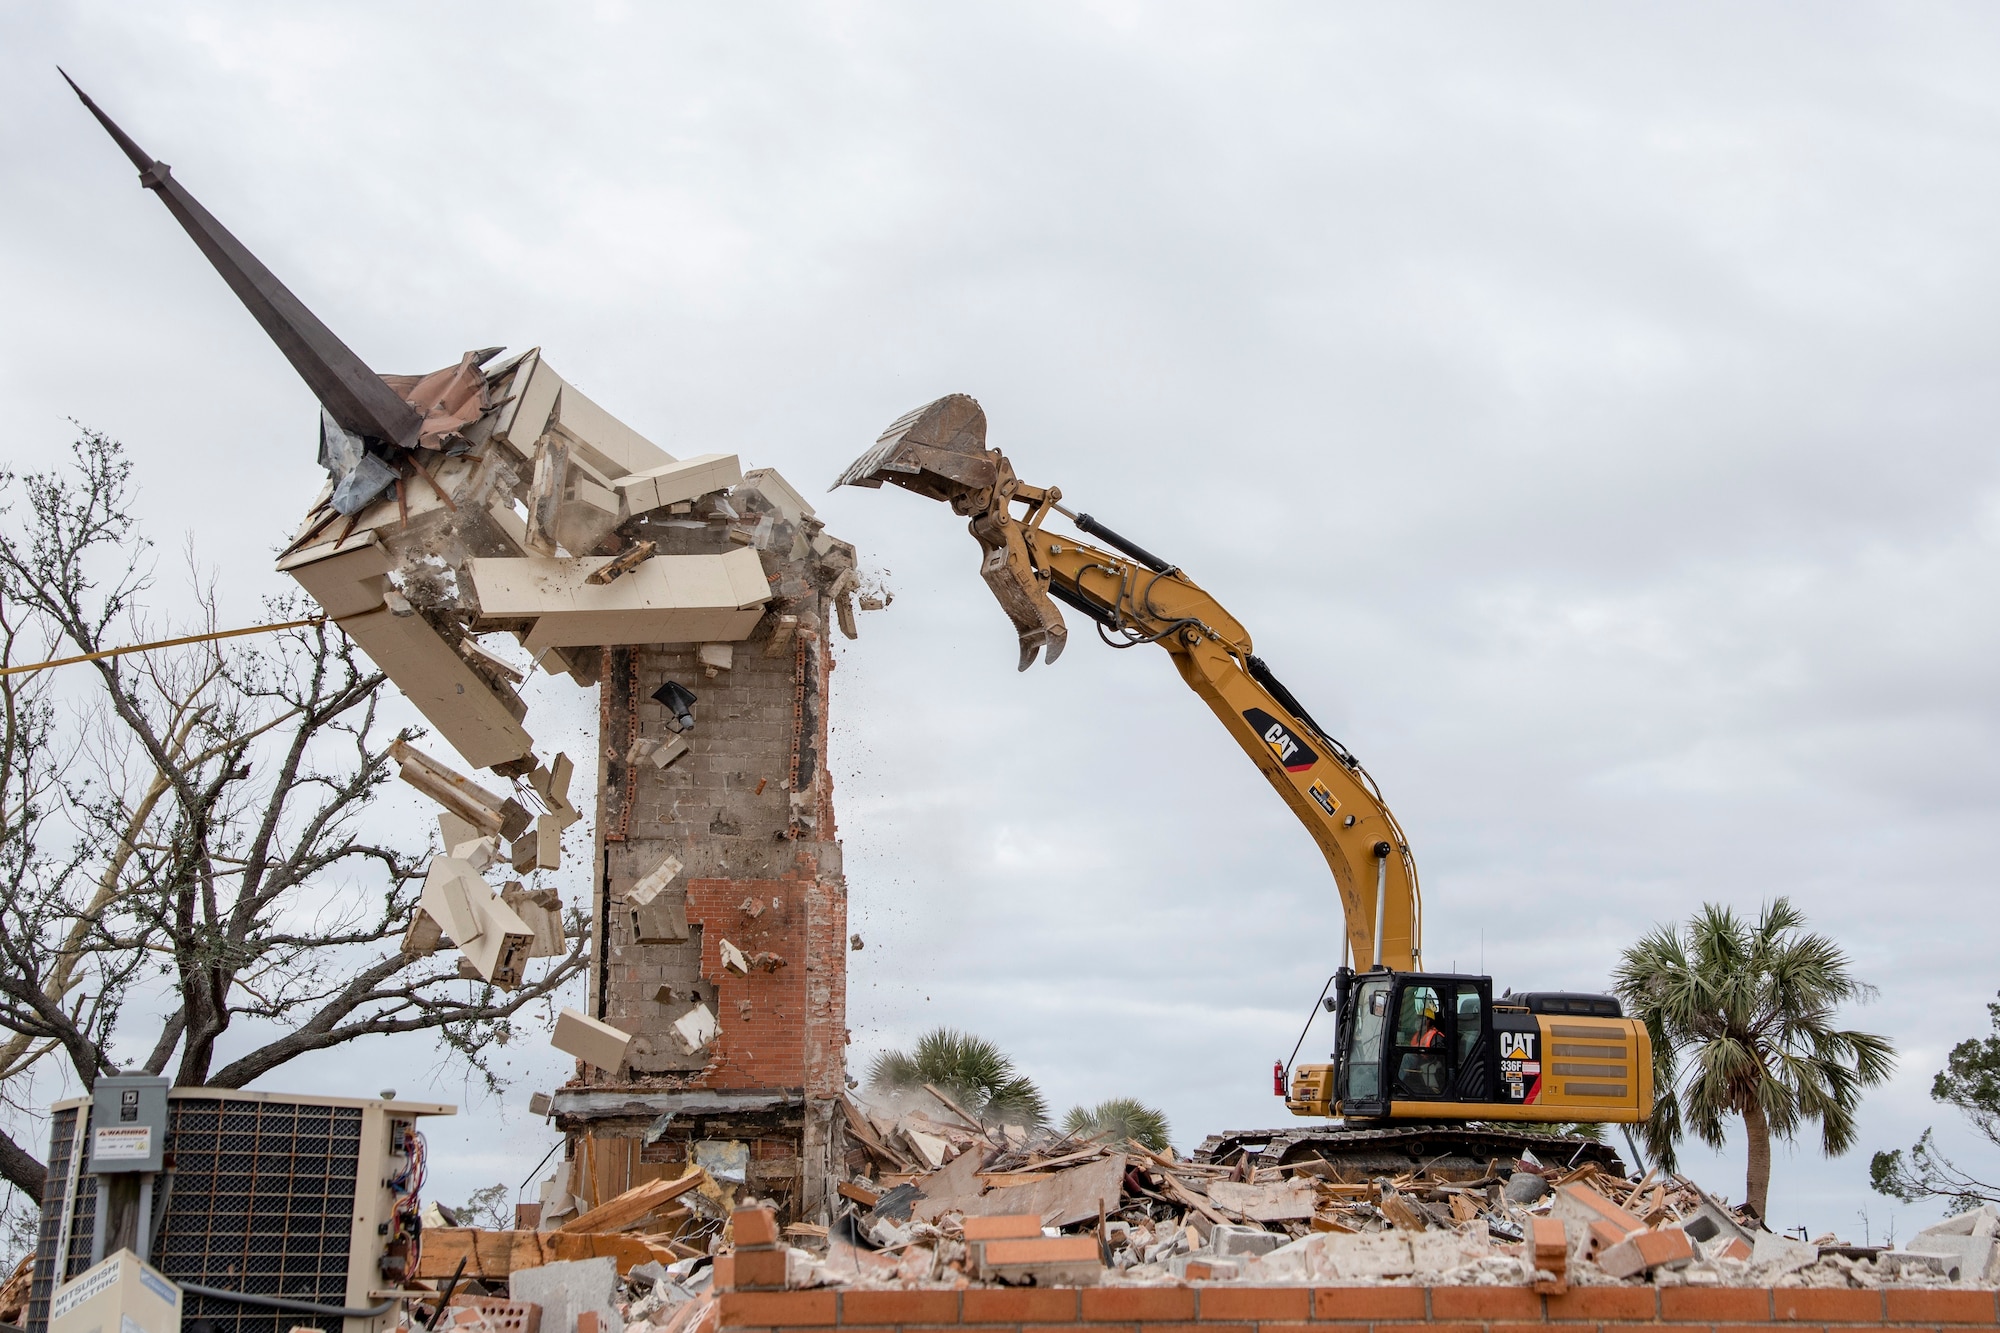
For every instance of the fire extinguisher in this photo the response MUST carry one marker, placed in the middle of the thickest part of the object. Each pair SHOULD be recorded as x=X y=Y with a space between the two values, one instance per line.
x=1278 y=1077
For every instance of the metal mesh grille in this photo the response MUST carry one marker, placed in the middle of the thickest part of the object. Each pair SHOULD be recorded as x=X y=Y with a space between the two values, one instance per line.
x=55 y=1199
x=262 y=1202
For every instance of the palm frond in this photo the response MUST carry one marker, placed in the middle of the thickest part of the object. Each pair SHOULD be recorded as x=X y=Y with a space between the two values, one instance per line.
x=1118 y=1119
x=971 y=1070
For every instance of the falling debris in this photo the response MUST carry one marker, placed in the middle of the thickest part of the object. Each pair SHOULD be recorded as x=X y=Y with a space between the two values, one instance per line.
x=459 y=795
x=638 y=555
x=591 y=1041
x=495 y=941
x=695 y=1029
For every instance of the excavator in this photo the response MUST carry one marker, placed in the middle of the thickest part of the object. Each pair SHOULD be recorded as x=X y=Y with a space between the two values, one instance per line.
x=1429 y=1068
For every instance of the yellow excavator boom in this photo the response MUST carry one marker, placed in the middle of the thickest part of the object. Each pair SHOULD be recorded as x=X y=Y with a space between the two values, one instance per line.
x=1136 y=598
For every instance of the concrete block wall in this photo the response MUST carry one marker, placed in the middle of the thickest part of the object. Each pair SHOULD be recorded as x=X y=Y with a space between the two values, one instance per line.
x=1228 y=1308
x=748 y=814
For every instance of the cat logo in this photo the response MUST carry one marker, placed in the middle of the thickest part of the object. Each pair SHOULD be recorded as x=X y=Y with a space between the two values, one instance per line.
x=1517 y=1046
x=1323 y=798
x=1293 y=753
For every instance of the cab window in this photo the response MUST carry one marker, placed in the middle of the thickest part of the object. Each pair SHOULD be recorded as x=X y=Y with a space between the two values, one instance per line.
x=1419 y=1020
x=1468 y=1022
x=1422 y=1050
x=1371 y=1024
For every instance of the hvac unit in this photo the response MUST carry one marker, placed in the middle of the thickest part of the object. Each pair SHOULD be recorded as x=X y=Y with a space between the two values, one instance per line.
x=272 y=1211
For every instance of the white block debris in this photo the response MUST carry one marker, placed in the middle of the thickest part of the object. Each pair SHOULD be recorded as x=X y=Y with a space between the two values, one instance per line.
x=695 y=1029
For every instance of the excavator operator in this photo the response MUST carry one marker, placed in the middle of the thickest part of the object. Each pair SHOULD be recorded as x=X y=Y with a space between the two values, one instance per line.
x=1422 y=1069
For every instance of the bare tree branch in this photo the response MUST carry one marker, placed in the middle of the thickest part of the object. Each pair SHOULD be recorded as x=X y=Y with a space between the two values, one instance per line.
x=184 y=858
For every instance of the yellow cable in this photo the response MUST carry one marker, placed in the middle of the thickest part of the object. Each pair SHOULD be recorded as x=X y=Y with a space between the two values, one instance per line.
x=163 y=643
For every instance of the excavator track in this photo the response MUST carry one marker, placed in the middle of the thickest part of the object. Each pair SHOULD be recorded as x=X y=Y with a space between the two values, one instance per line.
x=1445 y=1150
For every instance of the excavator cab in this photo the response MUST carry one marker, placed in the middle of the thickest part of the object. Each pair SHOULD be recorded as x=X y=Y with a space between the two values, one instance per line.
x=1437 y=1046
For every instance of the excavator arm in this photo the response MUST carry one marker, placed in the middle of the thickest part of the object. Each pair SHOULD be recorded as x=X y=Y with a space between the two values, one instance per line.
x=1136 y=598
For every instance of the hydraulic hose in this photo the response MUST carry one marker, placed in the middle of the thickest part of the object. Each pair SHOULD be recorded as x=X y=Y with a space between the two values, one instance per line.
x=287 y=1303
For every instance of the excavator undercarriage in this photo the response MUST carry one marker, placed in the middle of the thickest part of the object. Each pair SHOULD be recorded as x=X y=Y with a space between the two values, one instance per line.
x=1446 y=1151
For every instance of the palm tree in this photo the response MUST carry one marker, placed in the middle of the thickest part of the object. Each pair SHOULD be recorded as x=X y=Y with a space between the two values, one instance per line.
x=970 y=1070
x=1119 y=1119
x=1747 y=1010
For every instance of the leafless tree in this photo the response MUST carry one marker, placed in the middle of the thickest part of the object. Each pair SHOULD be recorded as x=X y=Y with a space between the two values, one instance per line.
x=181 y=843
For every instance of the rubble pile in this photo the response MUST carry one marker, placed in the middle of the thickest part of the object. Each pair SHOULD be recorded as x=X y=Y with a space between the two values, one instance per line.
x=936 y=1199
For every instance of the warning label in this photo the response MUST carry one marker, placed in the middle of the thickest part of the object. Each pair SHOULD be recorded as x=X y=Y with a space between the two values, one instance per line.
x=133 y=1143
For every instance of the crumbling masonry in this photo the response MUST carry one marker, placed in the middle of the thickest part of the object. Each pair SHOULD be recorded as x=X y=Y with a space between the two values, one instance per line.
x=701 y=612
x=482 y=503
x=748 y=811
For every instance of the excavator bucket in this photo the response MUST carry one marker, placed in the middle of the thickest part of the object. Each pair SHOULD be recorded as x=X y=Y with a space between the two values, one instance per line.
x=940 y=451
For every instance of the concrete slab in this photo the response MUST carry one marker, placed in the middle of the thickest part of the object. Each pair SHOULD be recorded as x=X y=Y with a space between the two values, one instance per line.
x=669 y=599
x=345 y=577
x=675 y=483
x=567 y=1290
x=444 y=688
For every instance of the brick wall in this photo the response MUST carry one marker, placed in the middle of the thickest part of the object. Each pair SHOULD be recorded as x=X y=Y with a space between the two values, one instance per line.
x=748 y=812
x=763 y=1014
x=1233 y=1309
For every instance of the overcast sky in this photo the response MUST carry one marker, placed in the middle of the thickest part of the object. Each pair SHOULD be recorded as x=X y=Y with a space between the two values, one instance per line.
x=1588 y=408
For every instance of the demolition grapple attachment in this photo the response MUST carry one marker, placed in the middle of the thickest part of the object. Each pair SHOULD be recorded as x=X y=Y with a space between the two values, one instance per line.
x=940 y=451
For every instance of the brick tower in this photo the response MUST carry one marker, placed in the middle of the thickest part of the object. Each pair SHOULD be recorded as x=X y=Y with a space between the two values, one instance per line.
x=751 y=928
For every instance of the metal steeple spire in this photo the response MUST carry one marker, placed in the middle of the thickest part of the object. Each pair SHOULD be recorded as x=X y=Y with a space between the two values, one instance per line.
x=353 y=395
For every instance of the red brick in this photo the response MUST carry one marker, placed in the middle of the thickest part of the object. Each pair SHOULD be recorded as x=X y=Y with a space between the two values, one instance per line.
x=1019 y=1305
x=1008 y=1226
x=1369 y=1303
x=1255 y=1303
x=1430 y=1328
x=1820 y=1304
x=1071 y=1328
x=1587 y=1205
x=1201 y=1328
x=779 y=1309
x=1152 y=1304
x=1065 y=1252
x=1636 y=1303
x=1643 y=1251
x=1602 y=1237
x=1708 y=1304
x=1485 y=1303
x=1945 y=1307
x=753 y=1226
x=899 y=1307
x=759 y=1268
